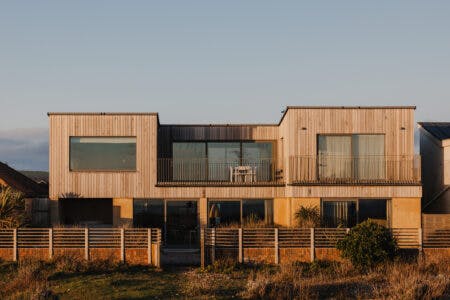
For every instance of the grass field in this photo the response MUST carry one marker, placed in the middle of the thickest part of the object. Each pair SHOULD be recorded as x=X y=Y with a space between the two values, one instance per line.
x=66 y=278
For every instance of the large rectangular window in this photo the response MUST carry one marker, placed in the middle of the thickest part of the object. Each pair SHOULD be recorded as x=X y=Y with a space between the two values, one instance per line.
x=216 y=161
x=148 y=213
x=357 y=156
x=102 y=153
x=246 y=212
x=349 y=212
x=189 y=161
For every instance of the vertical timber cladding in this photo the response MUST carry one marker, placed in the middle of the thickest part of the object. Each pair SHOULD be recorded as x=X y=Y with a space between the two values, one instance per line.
x=102 y=184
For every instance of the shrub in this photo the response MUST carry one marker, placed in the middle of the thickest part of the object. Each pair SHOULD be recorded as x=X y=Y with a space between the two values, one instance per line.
x=308 y=217
x=368 y=244
x=12 y=208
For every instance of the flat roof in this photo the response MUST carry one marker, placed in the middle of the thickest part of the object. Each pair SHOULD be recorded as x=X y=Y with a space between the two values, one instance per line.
x=247 y=124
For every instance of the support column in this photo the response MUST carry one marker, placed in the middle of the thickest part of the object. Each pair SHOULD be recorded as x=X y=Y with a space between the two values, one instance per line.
x=123 y=212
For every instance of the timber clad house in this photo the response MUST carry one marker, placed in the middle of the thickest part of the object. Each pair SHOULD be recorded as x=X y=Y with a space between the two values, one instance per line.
x=127 y=169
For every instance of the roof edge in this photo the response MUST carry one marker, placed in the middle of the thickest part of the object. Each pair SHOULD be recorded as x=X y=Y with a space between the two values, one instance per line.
x=102 y=113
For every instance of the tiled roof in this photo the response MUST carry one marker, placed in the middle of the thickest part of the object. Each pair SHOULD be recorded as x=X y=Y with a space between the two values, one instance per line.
x=21 y=182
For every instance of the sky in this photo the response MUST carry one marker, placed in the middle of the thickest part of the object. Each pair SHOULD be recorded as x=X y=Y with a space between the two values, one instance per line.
x=214 y=61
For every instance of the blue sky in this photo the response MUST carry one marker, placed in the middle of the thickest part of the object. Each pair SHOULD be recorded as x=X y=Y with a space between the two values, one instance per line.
x=214 y=61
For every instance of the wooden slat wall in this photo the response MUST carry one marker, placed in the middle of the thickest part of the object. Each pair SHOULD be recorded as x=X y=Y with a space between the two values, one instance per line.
x=291 y=140
x=102 y=184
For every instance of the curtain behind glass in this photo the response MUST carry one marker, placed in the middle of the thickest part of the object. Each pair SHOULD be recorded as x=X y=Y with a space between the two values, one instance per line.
x=335 y=156
x=189 y=161
x=259 y=157
x=368 y=152
x=339 y=213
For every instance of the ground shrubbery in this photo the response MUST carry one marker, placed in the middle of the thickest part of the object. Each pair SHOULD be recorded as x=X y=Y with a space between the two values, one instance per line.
x=368 y=244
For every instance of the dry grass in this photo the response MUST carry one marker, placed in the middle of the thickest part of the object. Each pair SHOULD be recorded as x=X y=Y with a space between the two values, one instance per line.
x=399 y=280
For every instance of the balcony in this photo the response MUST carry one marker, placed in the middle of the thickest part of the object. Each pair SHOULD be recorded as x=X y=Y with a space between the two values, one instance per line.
x=204 y=172
x=329 y=169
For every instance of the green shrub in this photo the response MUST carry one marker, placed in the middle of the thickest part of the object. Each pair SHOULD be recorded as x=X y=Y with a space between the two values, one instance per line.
x=368 y=244
x=308 y=217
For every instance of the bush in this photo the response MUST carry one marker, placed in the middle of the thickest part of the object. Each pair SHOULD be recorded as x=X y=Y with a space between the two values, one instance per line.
x=308 y=217
x=368 y=244
x=12 y=208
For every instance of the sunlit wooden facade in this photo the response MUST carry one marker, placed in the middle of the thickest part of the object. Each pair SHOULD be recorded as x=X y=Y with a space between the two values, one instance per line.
x=290 y=176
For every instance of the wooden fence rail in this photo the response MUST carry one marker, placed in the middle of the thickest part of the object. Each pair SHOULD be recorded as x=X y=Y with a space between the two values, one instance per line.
x=312 y=240
x=134 y=245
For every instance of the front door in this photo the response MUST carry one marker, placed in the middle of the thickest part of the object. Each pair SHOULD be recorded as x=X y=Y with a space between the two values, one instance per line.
x=182 y=224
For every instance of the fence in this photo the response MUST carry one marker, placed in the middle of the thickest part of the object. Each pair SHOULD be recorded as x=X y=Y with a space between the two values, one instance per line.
x=133 y=245
x=332 y=169
x=279 y=245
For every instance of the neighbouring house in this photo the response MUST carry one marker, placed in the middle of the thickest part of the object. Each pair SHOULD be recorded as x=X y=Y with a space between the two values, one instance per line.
x=128 y=169
x=435 y=152
x=36 y=194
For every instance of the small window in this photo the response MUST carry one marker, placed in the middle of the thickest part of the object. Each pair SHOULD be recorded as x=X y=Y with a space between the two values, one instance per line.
x=102 y=153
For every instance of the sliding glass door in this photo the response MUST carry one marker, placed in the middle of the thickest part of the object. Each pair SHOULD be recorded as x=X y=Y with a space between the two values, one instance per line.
x=357 y=156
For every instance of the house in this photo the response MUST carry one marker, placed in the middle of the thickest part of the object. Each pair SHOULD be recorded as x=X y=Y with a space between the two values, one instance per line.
x=36 y=195
x=435 y=152
x=128 y=169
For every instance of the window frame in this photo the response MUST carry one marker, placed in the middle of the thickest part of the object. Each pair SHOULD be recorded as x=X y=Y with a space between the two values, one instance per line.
x=101 y=170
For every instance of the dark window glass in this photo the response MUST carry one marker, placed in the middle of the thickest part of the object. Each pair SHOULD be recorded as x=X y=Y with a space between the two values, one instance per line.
x=224 y=213
x=339 y=213
x=374 y=209
x=258 y=156
x=148 y=213
x=189 y=161
x=182 y=226
x=103 y=153
x=256 y=211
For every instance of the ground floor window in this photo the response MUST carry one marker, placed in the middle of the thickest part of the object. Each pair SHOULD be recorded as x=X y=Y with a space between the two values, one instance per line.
x=148 y=213
x=86 y=211
x=246 y=212
x=349 y=212
x=178 y=219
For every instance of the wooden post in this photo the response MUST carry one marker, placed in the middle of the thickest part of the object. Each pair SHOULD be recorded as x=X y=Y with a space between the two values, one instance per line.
x=202 y=247
x=213 y=247
x=50 y=243
x=158 y=254
x=277 y=257
x=241 y=253
x=15 y=244
x=122 y=244
x=347 y=230
x=149 y=246
x=420 y=239
x=86 y=243
x=312 y=249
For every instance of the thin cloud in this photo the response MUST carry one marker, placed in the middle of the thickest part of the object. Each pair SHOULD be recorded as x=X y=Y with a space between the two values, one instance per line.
x=25 y=148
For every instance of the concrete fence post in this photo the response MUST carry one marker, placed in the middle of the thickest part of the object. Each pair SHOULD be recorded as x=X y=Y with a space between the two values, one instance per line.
x=202 y=247
x=122 y=244
x=50 y=243
x=213 y=247
x=86 y=243
x=15 y=244
x=277 y=255
x=312 y=245
x=420 y=238
x=149 y=246
x=347 y=230
x=241 y=252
